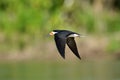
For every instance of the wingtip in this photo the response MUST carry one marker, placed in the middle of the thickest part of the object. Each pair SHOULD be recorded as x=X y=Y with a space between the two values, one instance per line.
x=79 y=57
x=63 y=57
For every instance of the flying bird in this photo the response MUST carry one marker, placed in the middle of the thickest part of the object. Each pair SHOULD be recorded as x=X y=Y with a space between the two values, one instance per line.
x=63 y=37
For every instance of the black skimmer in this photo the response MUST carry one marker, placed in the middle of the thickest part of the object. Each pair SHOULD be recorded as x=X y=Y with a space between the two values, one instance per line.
x=62 y=37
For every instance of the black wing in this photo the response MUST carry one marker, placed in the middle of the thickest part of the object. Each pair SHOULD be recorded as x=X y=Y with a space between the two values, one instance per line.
x=60 y=43
x=72 y=45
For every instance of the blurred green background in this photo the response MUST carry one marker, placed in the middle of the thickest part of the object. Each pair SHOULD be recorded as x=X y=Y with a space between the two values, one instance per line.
x=27 y=52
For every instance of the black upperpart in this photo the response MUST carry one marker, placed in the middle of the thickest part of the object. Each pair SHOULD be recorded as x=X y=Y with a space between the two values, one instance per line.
x=61 y=38
x=64 y=33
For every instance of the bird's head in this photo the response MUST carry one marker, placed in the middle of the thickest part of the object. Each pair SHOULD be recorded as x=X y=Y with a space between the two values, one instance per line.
x=53 y=33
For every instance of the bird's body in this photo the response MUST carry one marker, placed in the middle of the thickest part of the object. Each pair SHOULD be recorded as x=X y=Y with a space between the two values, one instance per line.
x=62 y=37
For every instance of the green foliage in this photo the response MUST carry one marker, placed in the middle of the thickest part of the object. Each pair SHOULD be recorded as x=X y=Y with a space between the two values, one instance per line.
x=35 y=18
x=113 y=46
x=113 y=24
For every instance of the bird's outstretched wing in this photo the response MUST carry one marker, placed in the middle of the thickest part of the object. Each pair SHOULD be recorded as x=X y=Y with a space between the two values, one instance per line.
x=72 y=45
x=60 y=43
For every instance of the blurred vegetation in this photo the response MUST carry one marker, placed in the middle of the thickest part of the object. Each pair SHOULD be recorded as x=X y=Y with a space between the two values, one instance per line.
x=23 y=22
x=26 y=52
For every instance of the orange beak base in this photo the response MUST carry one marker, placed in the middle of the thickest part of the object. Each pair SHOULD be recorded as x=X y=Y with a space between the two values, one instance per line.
x=51 y=34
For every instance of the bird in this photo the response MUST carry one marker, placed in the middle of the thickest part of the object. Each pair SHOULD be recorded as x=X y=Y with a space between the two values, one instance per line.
x=63 y=37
